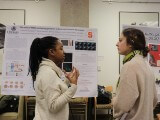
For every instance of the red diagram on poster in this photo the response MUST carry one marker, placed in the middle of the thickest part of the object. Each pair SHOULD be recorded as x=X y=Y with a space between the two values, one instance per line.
x=154 y=55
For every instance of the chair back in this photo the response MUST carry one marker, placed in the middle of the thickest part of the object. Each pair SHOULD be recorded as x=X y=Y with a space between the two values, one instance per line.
x=21 y=108
x=13 y=115
x=78 y=106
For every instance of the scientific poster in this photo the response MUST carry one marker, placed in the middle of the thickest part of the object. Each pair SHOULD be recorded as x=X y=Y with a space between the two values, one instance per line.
x=80 y=46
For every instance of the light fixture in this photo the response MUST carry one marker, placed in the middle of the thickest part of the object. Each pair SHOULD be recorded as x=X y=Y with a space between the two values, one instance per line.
x=131 y=1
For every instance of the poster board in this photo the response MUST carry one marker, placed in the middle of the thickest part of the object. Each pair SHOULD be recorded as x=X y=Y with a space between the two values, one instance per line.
x=80 y=45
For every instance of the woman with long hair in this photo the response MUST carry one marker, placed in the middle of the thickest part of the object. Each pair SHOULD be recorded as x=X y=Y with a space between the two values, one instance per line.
x=53 y=90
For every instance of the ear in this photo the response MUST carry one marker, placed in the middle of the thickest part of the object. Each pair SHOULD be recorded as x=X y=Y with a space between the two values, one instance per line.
x=130 y=46
x=51 y=52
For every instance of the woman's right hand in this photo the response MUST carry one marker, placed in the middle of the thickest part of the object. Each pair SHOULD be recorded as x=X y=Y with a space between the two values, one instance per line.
x=73 y=76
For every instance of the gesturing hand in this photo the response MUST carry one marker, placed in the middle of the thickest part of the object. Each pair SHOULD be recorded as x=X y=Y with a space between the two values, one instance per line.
x=73 y=76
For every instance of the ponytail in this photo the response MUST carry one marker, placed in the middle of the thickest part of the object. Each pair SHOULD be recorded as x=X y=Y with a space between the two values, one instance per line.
x=145 y=51
x=35 y=57
x=39 y=48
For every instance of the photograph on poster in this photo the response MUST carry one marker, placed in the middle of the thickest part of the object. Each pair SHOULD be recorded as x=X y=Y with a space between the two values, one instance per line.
x=67 y=64
x=85 y=46
x=67 y=67
x=67 y=42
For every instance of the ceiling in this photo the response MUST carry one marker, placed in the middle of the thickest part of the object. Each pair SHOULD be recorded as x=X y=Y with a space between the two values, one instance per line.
x=141 y=0
x=23 y=0
x=134 y=1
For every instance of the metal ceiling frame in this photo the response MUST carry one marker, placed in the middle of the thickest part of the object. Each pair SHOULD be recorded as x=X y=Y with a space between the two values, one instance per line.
x=23 y=0
x=118 y=1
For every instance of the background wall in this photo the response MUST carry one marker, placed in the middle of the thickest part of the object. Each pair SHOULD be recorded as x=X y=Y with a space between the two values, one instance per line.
x=44 y=13
x=103 y=16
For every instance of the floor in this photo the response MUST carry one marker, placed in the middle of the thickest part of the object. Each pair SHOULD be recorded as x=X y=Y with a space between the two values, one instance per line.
x=99 y=117
x=104 y=117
